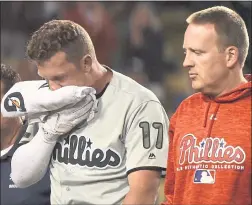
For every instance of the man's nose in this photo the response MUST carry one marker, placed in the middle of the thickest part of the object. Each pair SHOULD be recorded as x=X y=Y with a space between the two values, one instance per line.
x=188 y=62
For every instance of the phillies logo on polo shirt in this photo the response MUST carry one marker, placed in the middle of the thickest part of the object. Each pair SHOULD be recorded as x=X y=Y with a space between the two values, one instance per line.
x=209 y=150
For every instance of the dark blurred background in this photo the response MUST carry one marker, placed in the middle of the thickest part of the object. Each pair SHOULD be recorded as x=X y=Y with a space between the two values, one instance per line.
x=140 y=39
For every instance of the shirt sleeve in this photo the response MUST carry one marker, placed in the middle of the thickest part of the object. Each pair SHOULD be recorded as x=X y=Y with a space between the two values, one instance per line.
x=30 y=161
x=146 y=138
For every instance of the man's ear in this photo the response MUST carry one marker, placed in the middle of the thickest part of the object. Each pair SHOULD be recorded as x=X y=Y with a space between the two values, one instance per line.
x=86 y=63
x=232 y=55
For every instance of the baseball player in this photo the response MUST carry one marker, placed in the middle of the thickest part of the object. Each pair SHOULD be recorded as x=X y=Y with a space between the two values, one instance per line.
x=118 y=156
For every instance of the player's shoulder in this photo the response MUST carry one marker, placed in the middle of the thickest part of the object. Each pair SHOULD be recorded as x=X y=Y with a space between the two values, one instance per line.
x=132 y=89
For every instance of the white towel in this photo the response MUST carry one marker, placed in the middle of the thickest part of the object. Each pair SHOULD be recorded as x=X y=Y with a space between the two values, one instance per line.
x=34 y=100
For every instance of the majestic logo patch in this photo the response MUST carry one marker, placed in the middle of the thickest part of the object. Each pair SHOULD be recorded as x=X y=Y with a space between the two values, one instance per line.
x=77 y=150
x=152 y=156
x=14 y=102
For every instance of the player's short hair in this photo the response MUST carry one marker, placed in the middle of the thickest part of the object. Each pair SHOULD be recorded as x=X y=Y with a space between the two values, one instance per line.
x=59 y=35
x=229 y=26
x=9 y=77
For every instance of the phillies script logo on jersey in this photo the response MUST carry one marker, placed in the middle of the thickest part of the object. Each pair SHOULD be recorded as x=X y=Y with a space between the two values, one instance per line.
x=214 y=150
x=77 y=150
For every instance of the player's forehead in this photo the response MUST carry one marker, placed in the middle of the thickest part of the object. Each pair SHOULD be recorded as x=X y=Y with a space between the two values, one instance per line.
x=57 y=60
x=55 y=67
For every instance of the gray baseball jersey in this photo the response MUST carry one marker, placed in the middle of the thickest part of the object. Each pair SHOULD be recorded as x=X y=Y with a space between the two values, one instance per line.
x=128 y=133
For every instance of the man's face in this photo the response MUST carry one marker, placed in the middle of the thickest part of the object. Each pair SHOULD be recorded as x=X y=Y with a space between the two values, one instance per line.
x=205 y=63
x=59 y=72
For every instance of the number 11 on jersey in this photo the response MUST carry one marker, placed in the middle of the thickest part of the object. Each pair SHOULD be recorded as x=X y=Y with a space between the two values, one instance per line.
x=146 y=134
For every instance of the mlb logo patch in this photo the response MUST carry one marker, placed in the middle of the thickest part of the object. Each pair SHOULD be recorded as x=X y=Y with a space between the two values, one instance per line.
x=204 y=176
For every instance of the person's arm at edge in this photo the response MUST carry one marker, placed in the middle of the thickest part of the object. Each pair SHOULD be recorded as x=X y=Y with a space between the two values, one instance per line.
x=144 y=185
x=144 y=174
x=30 y=161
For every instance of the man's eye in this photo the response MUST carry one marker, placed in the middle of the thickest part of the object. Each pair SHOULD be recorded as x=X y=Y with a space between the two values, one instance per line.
x=197 y=53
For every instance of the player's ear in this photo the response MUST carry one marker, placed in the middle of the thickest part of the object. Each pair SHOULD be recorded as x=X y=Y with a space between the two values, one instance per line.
x=86 y=63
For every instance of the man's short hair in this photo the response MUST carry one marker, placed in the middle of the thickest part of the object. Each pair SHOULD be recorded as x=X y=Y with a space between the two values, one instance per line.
x=229 y=26
x=8 y=77
x=59 y=35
